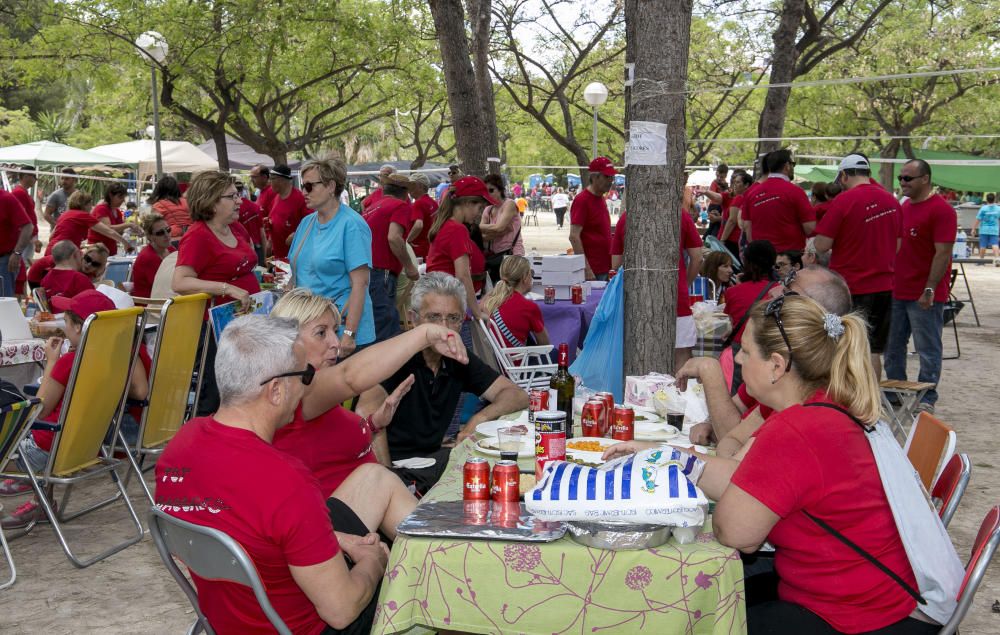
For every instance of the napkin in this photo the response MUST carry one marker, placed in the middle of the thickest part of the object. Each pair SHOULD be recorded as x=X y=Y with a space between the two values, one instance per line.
x=415 y=463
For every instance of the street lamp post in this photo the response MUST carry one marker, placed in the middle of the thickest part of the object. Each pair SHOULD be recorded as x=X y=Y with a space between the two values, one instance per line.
x=155 y=49
x=595 y=94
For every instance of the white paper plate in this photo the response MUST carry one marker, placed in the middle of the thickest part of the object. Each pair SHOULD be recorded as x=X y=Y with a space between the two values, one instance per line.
x=648 y=416
x=584 y=455
x=488 y=429
x=657 y=432
x=490 y=447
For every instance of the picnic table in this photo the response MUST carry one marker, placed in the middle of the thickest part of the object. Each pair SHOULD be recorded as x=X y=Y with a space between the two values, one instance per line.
x=22 y=361
x=488 y=586
x=568 y=322
x=961 y=262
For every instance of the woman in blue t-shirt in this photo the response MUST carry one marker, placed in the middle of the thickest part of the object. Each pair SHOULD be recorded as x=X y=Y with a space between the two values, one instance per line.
x=987 y=223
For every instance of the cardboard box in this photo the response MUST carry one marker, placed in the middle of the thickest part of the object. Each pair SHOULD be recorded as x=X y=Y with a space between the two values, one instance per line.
x=563 y=278
x=563 y=262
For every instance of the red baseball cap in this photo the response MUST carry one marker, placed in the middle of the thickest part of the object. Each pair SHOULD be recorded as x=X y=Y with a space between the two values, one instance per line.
x=85 y=303
x=472 y=186
x=602 y=165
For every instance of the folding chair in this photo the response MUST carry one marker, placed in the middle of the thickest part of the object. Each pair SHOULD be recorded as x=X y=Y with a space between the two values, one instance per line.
x=951 y=310
x=41 y=299
x=705 y=287
x=527 y=366
x=908 y=394
x=211 y=554
x=175 y=359
x=950 y=486
x=929 y=447
x=983 y=549
x=92 y=404
x=14 y=420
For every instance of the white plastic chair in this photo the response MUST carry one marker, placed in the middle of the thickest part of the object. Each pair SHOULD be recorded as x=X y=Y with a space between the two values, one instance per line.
x=527 y=366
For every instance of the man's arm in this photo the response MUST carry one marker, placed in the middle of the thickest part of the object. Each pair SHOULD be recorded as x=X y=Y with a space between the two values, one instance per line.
x=49 y=214
x=398 y=247
x=748 y=230
x=939 y=267
x=734 y=213
x=504 y=397
x=694 y=267
x=577 y=244
x=823 y=243
x=809 y=227
x=338 y=593
x=418 y=226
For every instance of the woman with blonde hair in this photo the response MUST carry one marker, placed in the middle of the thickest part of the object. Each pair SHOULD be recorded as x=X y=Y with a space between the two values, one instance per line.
x=515 y=317
x=335 y=443
x=808 y=482
x=94 y=263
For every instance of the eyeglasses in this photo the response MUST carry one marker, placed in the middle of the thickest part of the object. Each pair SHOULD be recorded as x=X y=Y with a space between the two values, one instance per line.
x=773 y=309
x=306 y=375
x=308 y=186
x=87 y=260
x=906 y=179
x=163 y=232
x=454 y=319
x=231 y=197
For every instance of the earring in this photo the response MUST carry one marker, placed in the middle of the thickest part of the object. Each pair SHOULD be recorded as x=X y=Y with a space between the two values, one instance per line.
x=774 y=380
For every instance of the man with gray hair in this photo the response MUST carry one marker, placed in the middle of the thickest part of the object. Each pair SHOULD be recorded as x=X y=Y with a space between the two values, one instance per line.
x=418 y=428
x=424 y=207
x=223 y=472
x=376 y=196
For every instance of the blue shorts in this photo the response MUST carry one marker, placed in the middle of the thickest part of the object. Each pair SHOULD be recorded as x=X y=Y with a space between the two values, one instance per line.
x=988 y=240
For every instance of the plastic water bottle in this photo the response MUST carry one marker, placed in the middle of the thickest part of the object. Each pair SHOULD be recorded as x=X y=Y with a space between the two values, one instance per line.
x=959 y=250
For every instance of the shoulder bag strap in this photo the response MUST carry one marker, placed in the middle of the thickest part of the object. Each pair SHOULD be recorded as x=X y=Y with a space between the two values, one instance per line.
x=847 y=541
x=746 y=316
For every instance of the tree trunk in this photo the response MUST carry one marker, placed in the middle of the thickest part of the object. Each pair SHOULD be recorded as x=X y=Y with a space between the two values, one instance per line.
x=783 y=60
x=887 y=169
x=661 y=31
x=221 y=149
x=479 y=18
x=463 y=97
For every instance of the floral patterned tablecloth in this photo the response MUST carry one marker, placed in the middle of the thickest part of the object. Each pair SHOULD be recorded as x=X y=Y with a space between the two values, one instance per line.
x=560 y=587
x=13 y=352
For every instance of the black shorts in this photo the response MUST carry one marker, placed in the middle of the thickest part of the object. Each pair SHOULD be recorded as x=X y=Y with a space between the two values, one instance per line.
x=346 y=521
x=877 y=309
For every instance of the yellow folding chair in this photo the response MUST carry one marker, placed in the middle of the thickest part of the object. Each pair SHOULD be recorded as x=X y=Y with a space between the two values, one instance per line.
x=15 y=419
x=92 y=403
x=175 y=360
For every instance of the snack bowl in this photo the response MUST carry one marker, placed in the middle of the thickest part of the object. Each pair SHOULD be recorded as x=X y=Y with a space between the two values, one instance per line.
x=618 y=536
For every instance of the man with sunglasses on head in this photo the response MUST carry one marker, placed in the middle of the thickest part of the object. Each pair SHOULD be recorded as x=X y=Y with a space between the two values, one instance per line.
x=422 y=418
x=732 y=420
x=920 y=283
x=776 y=209
x=861 y=226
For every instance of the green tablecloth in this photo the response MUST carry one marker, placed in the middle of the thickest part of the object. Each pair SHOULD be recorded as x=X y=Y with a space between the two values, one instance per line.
x=560 y=587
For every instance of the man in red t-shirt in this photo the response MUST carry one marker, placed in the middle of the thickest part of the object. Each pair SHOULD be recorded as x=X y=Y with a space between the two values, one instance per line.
x=590 y=223
x=64 y=280
x=388 y=219
x=260 y=176
x=22 y=192
x=15 y=239
x=379 y=192
x=424 y=208
x=252 y=220
x=776 y=209
x=731 y=232
x=720 y=184
x=862 y=227
x=223 y=472
x=287 y=210
x=920 y=284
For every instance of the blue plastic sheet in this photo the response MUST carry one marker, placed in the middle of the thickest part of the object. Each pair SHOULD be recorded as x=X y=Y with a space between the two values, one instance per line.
x=599 y=365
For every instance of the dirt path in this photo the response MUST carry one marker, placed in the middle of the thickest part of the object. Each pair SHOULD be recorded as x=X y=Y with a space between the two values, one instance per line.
x=131 y=592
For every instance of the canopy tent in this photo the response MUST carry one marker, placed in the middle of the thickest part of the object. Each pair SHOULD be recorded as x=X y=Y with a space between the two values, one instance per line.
x=178 y=156
x=40 y=154
x=363 y=173
x=701 y=178
x=242 y=156
x=952 y=170
x=573 y=180
x=815 y=173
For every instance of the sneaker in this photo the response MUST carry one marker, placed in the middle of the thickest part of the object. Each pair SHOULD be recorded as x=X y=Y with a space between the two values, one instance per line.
x=25 y=514
x=14 y=487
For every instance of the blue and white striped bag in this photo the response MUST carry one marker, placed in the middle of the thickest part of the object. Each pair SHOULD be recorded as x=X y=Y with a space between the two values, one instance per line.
x=650 y=487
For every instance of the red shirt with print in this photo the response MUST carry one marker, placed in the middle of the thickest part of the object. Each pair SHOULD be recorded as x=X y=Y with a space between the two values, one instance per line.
x=451 y=243
x=827 y=469
x=590 y=212
x=251 y=219
x=379 y=217
x=925 y=223
x=371 y=199
x=332 y=445
x=230 y=479
x=72 y=225
x=423 y=210
x=147 y=263
x=114 y=216
x=212 y=260
x=12 y=219
x=864 y=224
x=24 y=198
x=522 y=317
x=286 y=214
x=739 y=299
x=777 y=208
x=265 y=198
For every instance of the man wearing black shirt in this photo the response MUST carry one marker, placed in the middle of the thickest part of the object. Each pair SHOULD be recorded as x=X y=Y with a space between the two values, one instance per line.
x=423 y=415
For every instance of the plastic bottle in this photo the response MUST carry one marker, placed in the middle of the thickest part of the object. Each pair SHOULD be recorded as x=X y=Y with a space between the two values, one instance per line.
x=959 y=250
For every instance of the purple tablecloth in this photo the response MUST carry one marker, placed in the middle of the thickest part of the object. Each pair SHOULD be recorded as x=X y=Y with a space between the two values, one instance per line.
x=568 y=322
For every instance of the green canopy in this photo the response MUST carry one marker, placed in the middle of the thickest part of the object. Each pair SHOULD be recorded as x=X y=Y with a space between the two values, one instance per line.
x=815 y=173
x=952 y=170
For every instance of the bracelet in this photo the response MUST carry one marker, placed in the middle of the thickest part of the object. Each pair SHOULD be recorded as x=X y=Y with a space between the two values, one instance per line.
x=371 y=426
x=931 y=289
x=225 y=288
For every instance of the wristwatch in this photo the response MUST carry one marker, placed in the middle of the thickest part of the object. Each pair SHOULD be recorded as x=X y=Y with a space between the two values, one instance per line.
x=348 y=333
x=929 y=289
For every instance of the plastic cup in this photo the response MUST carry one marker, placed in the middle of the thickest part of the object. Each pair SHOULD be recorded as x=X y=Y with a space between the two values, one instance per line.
x=509 y=440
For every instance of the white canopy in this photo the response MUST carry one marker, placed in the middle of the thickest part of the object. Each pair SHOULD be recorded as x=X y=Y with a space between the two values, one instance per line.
x=49 y=153
x=703 y=178
x=178 y=156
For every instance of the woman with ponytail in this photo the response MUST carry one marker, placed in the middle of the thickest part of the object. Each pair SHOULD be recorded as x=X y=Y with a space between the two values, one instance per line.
x=515 y=317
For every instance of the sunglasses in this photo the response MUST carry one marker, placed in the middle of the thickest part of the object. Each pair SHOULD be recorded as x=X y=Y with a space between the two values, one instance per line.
x=906 y=179
x=307 y=186
x=90 y=261
x=773 y=309
x=163 y=232
x=306 y=375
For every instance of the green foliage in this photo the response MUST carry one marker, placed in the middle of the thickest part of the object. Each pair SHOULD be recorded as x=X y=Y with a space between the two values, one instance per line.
x=16 y=127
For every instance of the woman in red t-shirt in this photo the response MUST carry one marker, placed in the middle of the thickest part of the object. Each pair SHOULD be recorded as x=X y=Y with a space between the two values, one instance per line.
x=335 y=443
x=76 y=221
x=108 y=213
x=168 y=202
x=215 y=257
x=812 y=460
x=515 y=317
x=758 y=262
x=452 y=250
x=148 y=262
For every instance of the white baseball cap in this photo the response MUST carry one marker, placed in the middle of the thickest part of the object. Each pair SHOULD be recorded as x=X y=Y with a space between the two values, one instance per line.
x=854 y=162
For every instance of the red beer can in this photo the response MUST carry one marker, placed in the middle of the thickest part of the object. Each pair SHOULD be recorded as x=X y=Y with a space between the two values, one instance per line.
x=505 y=514
x=476 y=479
x=609 y=411
x=550 y=295
x=549 y=446
x=476 y=512
x=612 y=274
x=592 y=418
x=506 y=482
x=623 y=427
x=577 y=293
x=696 y=297
x=267 y=278
x=537 y=400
